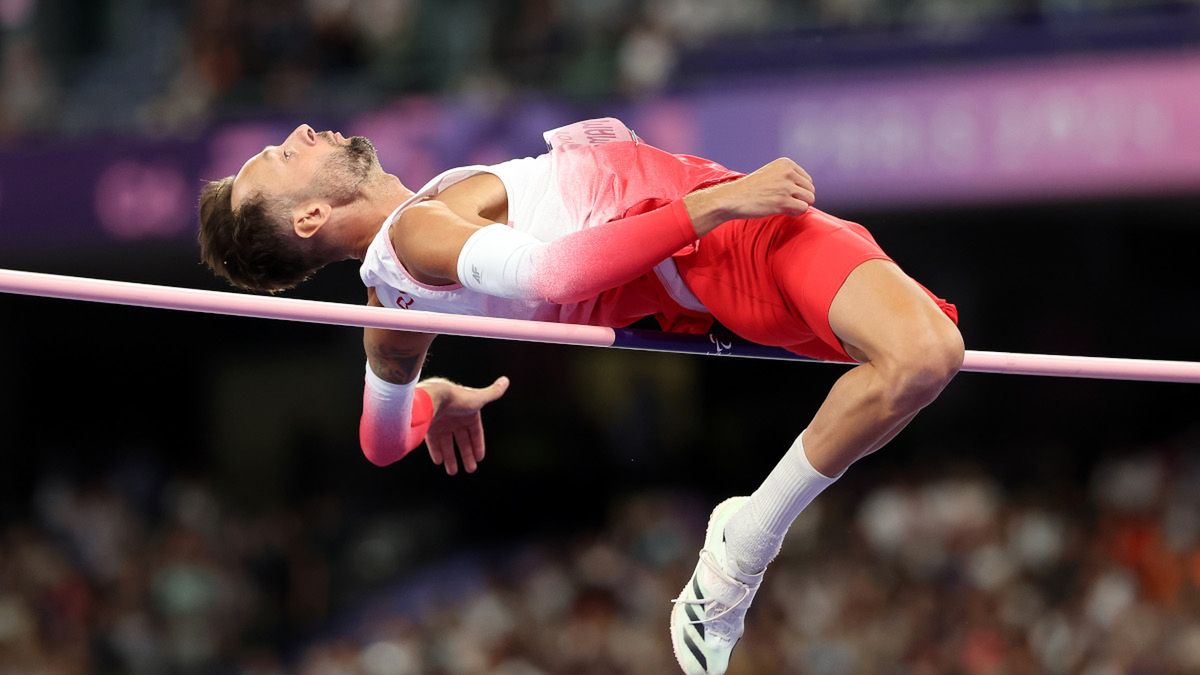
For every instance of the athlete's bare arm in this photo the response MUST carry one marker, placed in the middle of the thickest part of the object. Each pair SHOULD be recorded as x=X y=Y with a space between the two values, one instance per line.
x=394 y=355
x=397 y=356
x=429 y=236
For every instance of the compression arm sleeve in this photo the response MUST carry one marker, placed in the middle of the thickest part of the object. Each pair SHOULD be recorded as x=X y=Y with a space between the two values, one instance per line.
x=394 y=420
x=500 y=261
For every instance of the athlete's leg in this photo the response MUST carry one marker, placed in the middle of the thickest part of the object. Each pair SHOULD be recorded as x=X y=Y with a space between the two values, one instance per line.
x=911 y=350
x=887 y=438
x=908 y=349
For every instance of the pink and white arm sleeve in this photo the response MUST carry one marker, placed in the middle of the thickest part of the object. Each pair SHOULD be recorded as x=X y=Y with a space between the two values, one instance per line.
x=500 y=261
x=394 y=420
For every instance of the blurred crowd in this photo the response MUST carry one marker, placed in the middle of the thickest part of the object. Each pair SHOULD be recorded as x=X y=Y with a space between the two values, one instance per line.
x=142 y=572
x=162 y=66
x=946 y=574
x=942 y=572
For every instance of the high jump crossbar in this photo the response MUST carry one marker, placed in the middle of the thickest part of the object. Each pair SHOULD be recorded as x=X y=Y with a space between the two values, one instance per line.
x=341 y=314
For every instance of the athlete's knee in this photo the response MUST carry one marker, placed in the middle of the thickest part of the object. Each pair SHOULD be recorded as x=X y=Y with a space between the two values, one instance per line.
x=916 y=371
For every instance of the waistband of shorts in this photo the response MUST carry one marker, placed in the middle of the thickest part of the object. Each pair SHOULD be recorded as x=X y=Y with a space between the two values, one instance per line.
x=668 y=275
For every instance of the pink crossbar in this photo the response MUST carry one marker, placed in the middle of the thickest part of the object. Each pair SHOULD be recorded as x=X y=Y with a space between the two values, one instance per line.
x=340 y=314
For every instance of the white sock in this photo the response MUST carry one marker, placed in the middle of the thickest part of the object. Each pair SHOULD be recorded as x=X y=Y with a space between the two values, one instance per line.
x=755 y=533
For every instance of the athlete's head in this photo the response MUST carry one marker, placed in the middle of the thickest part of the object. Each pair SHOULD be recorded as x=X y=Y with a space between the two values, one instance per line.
x=269 y=227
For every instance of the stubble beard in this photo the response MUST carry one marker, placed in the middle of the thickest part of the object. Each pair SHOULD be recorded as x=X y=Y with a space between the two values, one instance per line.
x=348 y=171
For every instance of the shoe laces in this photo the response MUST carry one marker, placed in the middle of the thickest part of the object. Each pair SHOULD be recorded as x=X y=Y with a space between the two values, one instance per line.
x=707 y=558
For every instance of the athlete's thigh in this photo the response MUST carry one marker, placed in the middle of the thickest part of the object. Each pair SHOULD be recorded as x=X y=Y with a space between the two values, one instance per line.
x=880 y=312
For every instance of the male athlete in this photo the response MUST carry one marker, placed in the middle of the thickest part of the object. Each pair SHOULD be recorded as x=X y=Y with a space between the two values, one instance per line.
x=603 y=229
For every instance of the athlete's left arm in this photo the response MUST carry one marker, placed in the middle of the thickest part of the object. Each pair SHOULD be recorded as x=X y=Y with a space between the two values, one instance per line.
x=438 y=244
x=441 y=244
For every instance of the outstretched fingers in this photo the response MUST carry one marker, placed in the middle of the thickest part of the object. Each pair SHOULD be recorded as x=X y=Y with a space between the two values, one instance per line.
x=443 y=444
x=462 y=439
x=456 y=434
x=476 y=431
x=435 y=452
x=467 y=440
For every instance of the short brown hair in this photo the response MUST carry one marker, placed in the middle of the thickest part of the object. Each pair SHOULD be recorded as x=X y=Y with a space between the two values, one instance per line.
x=250 y=247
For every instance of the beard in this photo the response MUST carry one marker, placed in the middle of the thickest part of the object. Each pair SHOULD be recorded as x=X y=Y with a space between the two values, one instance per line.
x=346 y=171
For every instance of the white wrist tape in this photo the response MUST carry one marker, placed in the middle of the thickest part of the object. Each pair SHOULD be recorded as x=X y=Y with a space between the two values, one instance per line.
x=389 y=394
x=498 y=260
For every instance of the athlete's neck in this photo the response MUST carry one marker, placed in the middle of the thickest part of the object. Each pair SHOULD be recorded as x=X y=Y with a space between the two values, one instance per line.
x=377 y=203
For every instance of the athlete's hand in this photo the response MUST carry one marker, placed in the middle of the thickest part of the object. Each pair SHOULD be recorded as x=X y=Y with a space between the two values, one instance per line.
x=457 y=422
x=781 y=187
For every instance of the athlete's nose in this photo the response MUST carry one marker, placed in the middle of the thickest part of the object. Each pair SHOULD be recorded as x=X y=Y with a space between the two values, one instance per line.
x=305 y=134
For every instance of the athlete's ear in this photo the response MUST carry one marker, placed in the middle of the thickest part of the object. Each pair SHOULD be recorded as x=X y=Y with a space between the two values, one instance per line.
x=309 y=218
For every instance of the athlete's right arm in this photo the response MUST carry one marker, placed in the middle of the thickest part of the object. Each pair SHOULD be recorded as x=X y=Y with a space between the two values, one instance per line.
x=396 y=412
x=394 y=355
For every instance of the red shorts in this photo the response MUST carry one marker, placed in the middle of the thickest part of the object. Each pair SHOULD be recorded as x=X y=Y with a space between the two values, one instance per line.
x=772 y=280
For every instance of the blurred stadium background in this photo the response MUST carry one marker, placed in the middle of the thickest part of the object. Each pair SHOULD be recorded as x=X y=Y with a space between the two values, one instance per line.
x=185 y=494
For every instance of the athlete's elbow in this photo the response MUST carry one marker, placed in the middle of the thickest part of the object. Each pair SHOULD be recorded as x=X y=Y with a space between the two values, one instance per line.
x=379 y=451
x=382 y=457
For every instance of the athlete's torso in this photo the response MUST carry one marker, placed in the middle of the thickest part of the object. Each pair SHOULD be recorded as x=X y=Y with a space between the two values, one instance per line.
x=576 y=185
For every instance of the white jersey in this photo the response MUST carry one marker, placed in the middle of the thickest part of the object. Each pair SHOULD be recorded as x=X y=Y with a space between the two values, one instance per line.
x=536 y=207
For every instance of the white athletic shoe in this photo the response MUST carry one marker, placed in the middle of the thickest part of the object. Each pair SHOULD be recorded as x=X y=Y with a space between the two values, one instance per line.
x=708 y=617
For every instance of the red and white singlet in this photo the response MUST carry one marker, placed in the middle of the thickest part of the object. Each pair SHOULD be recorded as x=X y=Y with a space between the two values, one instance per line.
x=596 y=171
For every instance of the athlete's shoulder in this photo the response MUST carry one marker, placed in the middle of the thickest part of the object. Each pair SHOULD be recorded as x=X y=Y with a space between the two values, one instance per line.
x=482 y=198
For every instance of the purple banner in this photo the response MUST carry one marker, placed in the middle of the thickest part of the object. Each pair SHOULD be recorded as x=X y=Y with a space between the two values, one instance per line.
x=1035 y=130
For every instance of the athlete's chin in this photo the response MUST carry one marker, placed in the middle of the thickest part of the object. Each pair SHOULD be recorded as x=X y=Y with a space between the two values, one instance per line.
x=361 y=144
